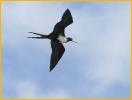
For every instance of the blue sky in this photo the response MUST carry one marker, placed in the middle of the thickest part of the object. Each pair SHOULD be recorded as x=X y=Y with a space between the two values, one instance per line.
x=97 y=67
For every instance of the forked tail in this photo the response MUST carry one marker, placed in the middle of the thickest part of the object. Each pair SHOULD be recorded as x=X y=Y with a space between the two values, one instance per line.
x=41 y=36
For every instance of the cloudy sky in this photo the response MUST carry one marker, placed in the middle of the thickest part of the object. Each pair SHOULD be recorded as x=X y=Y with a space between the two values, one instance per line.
x=99 y=66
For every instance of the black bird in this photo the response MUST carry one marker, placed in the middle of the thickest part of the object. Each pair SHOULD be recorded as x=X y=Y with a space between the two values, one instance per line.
x=57 y=37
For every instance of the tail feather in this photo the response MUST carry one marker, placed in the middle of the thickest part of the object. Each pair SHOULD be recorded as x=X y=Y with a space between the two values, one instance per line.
x=35 y=37
x=36 y=33
x=41 y=36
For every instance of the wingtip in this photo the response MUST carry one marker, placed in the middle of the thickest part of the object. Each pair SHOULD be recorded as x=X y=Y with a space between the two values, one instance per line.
x=50 y=70
x=67 y=9
x=68 y=12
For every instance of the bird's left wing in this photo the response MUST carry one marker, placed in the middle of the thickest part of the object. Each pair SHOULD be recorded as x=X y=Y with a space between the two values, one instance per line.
x=57 y=52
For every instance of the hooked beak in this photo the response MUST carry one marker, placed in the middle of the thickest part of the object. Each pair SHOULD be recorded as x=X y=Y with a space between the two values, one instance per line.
x=75 y=42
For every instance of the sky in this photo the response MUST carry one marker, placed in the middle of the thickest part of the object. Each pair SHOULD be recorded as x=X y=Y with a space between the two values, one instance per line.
x=97 y=67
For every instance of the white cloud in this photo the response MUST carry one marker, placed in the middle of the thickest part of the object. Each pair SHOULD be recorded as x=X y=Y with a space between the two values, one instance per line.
x=109 y=55
x=28 y=89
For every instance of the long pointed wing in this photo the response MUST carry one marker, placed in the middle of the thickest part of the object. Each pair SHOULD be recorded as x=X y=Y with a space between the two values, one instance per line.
x=57 y=52
x=67 y=18
x=65 y=21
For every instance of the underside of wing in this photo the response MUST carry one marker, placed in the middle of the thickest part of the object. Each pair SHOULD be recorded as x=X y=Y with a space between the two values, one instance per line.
x=67 y=18
x=57 y=52
x=61 y=25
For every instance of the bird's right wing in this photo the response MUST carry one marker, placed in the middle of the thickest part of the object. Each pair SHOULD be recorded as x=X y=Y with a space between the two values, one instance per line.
x=61 y=25
x=57 y=52
x=67 y=18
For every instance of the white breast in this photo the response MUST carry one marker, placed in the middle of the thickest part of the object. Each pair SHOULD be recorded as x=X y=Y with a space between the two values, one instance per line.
x=62 y=39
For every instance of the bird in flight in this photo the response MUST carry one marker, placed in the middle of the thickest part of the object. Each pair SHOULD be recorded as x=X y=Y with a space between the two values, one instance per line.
x=57 y=37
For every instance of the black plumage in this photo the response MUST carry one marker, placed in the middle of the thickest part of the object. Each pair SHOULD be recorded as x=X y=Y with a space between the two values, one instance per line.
x=56 y=45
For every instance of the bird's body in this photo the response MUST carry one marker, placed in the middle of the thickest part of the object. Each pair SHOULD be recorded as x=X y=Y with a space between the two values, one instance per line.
x=62 y=39
x=57 y=37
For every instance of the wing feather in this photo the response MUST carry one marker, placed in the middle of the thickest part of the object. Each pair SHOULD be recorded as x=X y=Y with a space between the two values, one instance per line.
x=57 y=52
x=67 y=18
x=65 y=21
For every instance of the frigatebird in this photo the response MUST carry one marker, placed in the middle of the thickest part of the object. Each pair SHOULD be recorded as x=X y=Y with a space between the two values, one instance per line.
x=57 y=37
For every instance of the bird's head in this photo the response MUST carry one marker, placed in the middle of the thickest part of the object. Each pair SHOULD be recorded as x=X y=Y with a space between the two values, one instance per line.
x=70 y=39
